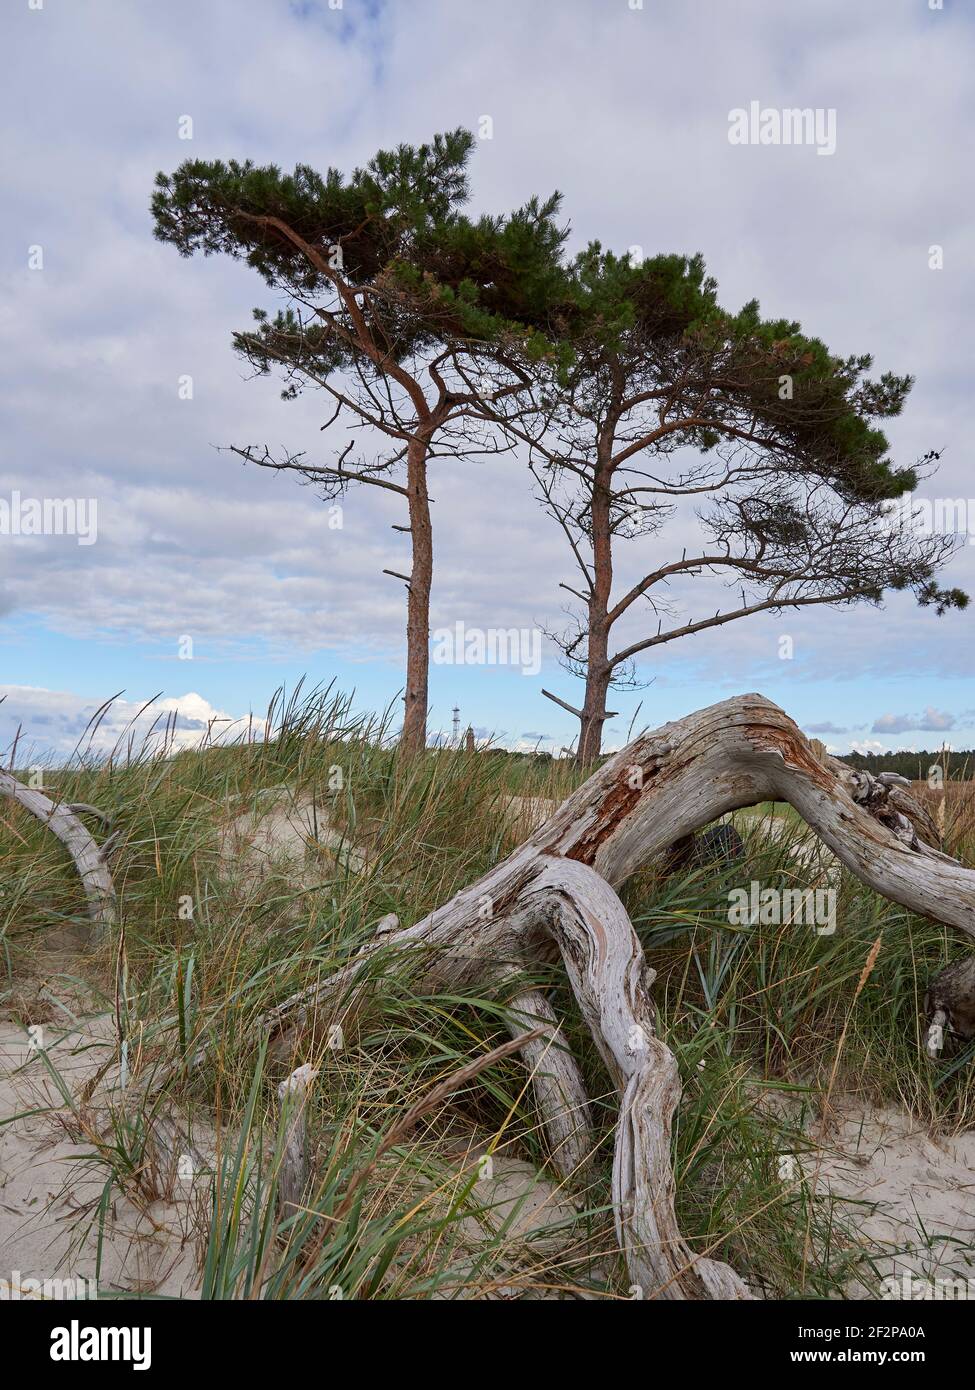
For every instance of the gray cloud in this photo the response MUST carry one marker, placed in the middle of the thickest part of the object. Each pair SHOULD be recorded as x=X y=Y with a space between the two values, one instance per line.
x=192 y=543
x=931 y=720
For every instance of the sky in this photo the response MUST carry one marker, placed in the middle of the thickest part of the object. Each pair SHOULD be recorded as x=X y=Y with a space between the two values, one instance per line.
x=208 y=584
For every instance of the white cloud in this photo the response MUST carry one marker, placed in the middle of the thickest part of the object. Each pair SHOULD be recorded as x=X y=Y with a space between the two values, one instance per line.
x=190 y=542
x=55 y=723
x=866 y=745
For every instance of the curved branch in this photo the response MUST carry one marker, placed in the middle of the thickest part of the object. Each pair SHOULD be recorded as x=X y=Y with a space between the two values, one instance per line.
x=560 y=1092
x=560 y=883
x=611 y=980
x=62 y=821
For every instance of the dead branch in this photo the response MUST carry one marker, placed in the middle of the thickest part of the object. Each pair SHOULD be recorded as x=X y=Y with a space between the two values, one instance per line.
x=558 y=887
x=61 y=820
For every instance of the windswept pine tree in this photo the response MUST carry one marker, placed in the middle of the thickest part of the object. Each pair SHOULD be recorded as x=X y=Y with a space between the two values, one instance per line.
x=397 y=307
x=659 y=396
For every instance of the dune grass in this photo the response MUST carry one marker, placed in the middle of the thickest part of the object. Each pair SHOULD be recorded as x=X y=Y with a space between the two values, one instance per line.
x=768 y=1023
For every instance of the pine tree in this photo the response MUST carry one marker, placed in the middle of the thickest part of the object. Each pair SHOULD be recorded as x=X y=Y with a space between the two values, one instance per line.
x=657 y=394
x=397 y=308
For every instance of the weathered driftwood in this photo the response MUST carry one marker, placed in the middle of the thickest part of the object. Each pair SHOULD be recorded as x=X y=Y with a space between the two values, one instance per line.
x=61 y=820
x=950 y=1004
x=559 y=887
x=293 y=1169
x=560 y=1092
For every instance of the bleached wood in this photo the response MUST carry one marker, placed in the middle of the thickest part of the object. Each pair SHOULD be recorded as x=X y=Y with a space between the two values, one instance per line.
x=560 y=884
x=293 y=1170
x=611 y=981
x=559 y=1090
x=88 y=859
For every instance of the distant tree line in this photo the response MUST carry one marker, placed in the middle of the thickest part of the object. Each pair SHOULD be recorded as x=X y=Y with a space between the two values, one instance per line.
x=914 y=766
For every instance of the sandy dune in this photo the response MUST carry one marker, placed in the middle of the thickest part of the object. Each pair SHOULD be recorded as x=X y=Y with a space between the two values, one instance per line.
x=918 y=1193
x=50 y=1193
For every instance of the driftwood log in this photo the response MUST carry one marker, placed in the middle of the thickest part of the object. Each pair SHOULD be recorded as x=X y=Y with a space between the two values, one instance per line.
x=950 y=1004
x=559 y=887
x=293 y=1170
x=557 y=891
x=61 y=819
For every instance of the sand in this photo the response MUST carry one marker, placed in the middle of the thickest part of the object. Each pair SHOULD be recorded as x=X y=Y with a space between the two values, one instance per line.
x=50 y=1190
x=918 y=1192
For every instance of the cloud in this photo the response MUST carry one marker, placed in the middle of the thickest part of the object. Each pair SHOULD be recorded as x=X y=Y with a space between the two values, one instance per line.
x=932 y=721
x=827 y=727
x=43 y=724
x=867 y=745
x=192 y=543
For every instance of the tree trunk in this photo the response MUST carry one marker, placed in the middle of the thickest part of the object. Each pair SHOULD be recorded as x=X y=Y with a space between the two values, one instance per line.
x=413 y=739
x=594 y=712
x=598 y=670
